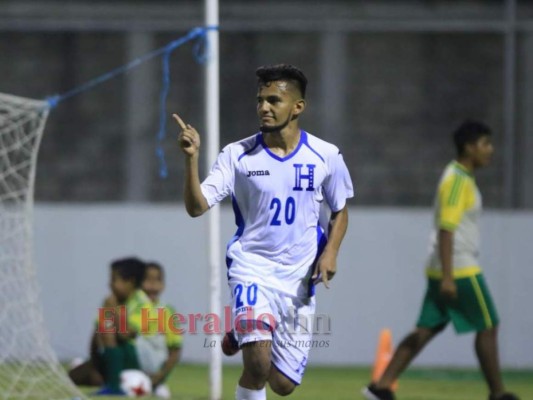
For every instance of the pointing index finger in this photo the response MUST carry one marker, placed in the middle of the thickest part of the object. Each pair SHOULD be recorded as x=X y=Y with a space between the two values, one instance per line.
x=325 y=280
x=179 y=121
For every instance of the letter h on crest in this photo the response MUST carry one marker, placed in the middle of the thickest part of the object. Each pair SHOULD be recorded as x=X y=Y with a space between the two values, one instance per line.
x=310 y=176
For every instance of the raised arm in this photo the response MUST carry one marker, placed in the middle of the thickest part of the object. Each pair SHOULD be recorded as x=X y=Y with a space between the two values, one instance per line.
x=189 y=142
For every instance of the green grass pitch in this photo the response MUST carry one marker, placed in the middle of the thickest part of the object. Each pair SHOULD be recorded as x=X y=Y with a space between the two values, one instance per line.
x=190 y=382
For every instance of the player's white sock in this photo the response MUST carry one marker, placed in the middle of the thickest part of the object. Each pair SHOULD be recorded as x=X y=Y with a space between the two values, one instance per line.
x=250 y=394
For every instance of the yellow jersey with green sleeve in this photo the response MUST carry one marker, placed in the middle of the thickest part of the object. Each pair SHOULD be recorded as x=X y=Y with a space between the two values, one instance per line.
x=458 y=207
x=134 y=305
x=173 y=338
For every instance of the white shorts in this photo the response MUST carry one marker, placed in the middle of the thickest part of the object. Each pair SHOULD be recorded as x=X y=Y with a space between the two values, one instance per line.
x=152 y=352
x=264 y=314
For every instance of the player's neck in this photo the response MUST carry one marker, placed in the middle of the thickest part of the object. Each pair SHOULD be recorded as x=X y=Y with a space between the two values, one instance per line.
x=466 y=163
x=283 y=142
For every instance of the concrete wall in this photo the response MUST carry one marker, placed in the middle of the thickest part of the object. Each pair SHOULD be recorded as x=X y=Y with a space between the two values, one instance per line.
x=380 y=281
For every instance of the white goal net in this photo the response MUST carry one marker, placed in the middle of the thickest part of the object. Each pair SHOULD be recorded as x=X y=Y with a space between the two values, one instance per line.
x=29 y=369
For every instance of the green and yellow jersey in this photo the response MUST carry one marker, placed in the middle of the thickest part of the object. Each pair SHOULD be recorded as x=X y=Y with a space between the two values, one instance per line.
x=144 y=318
x=458 y=207
x=134 y=308
x=133 y=313
x=156 y=331
x=173 y=339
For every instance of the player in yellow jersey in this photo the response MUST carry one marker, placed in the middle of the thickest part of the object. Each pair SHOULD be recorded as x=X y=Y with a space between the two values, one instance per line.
x=456 y=290
x=112 y=345
x=136 y=288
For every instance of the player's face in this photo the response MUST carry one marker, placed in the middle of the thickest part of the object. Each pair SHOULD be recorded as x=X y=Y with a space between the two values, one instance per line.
x=481 y=152
x=121 y=287
x=153 y=284
x=278 y=103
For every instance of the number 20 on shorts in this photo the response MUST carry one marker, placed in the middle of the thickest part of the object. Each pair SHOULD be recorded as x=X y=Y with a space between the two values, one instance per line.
x=240 y=296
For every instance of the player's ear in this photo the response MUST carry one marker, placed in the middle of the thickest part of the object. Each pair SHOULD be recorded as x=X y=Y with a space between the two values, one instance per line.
x=469 y=149
x=299 y=107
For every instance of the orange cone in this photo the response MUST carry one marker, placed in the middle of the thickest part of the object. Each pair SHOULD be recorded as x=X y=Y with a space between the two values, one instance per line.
x=384 y=353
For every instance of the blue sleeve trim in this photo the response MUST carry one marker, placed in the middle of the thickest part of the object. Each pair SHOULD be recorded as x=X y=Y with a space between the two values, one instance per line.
x=257 y=142
x=239 y=221
x=306 y=142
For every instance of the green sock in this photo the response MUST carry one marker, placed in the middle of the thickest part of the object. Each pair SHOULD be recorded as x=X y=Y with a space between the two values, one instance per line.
x=130 y=356
x=113 y=367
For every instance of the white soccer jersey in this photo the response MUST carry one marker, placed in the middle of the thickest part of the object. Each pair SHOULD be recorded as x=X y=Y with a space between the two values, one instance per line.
x=277 y=202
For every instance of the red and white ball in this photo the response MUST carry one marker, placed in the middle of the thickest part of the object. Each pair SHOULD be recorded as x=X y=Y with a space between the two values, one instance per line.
x=135 y=383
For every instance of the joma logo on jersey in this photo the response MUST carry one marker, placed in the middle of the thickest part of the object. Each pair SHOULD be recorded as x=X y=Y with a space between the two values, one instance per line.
x=299 y=177
x=258 y=173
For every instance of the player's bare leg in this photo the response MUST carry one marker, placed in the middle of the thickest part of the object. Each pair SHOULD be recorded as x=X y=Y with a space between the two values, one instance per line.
x=86 y=375
x=407 y=350
x=279 y=383
x=256 y=358
x=258 y=370
x=486 y=345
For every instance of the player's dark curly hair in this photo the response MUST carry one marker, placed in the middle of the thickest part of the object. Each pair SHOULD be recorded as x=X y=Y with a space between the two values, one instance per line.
x=130 y=269
x=282 y=72
x=467 y=133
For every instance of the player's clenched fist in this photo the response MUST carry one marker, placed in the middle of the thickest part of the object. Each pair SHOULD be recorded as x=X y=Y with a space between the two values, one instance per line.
x=188 y=139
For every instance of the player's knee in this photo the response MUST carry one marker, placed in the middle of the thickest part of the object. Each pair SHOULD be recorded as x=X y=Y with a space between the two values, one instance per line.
x=281 y=385
x=256 y=366
x=283 y=390
x=107 y=339
x=419 y=337
x=492 y=332
x=437 y=329
x=257 y=371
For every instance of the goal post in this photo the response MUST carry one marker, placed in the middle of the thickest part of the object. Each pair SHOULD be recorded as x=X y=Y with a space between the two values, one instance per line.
x=29 y=368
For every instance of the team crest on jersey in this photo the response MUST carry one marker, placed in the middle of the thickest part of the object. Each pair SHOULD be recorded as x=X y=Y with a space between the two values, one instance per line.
x=300 y=176
x=258 y=173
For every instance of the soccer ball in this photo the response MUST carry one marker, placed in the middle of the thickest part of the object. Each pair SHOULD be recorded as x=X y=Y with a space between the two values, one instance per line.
x=135 y=383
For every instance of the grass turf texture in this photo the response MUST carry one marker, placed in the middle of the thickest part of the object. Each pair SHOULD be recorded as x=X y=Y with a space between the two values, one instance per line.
x=190 y=382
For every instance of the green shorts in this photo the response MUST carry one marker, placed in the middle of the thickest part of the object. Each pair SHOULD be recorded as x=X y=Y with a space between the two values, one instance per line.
x=128 y=358
x=473 y=310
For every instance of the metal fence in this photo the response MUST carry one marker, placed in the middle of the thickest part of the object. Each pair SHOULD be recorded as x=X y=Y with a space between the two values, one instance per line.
x=389 y=81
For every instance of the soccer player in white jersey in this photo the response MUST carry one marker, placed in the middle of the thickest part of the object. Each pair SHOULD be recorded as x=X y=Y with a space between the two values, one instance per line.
x=278 y=179
x=456 y=290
